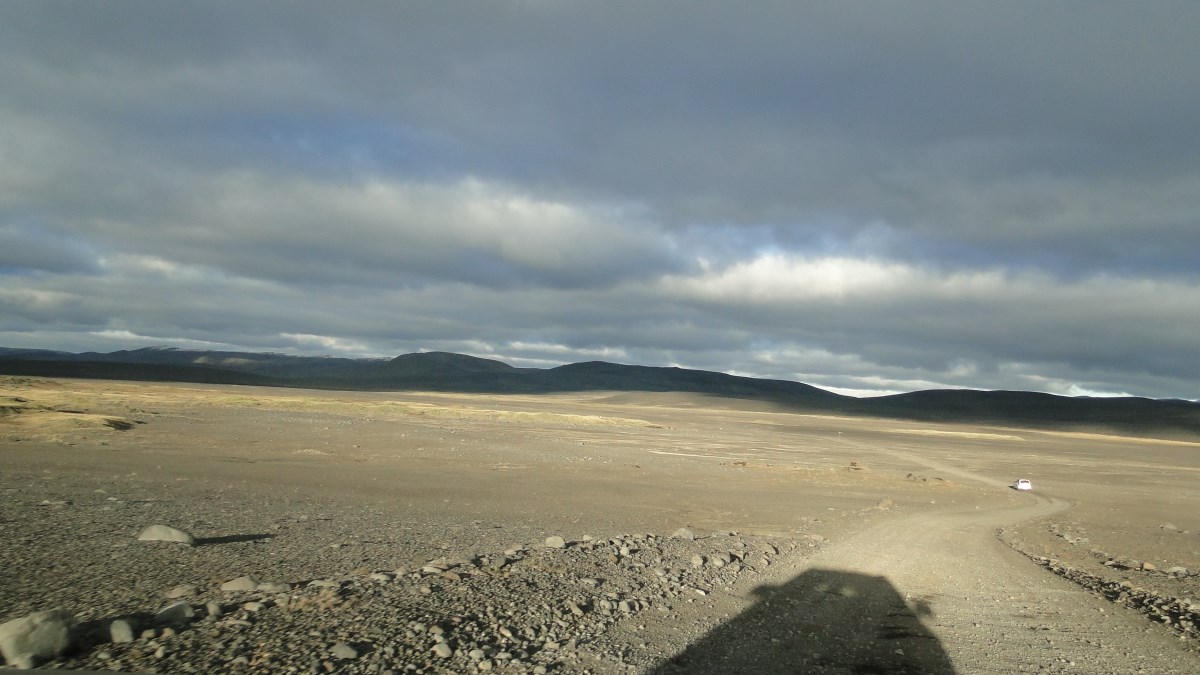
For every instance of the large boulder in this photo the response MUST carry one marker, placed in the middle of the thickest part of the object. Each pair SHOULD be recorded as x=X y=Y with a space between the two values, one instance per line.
x=40 y=636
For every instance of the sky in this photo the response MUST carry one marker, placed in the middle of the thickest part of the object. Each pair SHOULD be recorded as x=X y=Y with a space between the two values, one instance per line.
x=870 y=197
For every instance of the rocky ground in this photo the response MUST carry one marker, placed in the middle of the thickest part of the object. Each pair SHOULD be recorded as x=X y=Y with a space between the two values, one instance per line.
x=313 y=590
x=369 y=534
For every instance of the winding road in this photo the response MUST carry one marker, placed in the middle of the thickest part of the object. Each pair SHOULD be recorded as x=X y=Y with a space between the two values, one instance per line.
x=989 y=607
x=936 y=593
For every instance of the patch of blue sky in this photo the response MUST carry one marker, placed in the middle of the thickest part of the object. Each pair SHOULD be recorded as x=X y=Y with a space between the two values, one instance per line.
x=316 y=144
x=29 y=248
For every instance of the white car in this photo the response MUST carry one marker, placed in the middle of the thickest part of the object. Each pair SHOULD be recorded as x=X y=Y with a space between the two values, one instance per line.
x=1022 y=484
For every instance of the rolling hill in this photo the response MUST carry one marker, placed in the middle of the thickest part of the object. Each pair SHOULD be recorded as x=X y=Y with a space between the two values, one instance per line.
x=442 y=371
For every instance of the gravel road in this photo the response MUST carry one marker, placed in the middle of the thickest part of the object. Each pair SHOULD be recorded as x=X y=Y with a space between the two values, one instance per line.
x=935 y=593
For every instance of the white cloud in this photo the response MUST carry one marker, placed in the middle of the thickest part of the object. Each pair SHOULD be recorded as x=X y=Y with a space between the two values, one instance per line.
x=129 y=338
x=799 y=203
x=335 y=345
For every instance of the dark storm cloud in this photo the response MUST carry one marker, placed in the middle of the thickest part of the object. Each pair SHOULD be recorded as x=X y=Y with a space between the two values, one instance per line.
x=869 y=196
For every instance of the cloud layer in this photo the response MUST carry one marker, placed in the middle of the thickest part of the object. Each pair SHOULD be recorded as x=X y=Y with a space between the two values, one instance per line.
x=867 y=197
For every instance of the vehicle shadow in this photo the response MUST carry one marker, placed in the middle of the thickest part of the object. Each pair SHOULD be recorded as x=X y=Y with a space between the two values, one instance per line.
x=823 y=621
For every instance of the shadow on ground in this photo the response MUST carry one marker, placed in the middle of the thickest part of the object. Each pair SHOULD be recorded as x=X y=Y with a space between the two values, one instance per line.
x=823 y=621
x=232 y=539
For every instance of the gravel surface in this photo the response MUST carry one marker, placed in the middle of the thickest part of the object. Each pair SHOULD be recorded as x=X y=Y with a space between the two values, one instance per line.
x=307 y=592
x=241 y=530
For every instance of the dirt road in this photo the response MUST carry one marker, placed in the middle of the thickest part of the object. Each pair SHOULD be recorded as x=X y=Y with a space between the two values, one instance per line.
x=935 y=593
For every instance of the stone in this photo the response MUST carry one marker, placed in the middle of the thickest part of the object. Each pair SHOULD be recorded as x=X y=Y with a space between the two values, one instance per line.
x=1149 y=567
x=684 y=533
x=343 y=651
x=271 y=587
x=697 y=560
x=36 y=637
x=1177 y=571
x=443 y=650
x=176 y=613
x=121 y=630
x=181 y=591
x=240 y=584
x=213 y=609
x=166 y=533
x=556 y=542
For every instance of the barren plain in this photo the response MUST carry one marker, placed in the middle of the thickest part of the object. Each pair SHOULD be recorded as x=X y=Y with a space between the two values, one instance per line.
x=409 y=532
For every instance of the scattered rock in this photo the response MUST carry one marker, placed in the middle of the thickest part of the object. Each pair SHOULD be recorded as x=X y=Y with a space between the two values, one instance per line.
x=181 y=591
x=465 y=626
x=166 y=533
x=240 y=584
x=121 y=630
x=40 y=636
x=343 y=651
x=175 y=614
x=684 y=533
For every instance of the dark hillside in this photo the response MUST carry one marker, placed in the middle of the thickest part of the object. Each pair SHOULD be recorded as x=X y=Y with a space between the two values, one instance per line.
x=141 y=372
x=442 y=371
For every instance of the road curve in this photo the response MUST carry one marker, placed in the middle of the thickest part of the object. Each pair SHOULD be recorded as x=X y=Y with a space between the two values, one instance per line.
x=992 y=610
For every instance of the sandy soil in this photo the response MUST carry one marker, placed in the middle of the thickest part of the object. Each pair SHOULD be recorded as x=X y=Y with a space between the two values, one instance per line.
x=889 y=559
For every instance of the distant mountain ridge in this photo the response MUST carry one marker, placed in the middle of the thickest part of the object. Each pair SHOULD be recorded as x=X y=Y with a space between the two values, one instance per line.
x=444 y=371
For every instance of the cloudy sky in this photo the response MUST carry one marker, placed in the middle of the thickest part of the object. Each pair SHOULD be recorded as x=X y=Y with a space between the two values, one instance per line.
x=865 y=196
